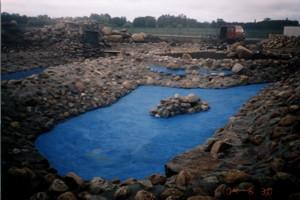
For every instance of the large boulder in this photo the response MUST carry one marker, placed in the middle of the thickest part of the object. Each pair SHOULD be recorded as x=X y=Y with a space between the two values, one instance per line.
x=106 y=30
x=243 y=52
x=114 y=38
x=139 y=37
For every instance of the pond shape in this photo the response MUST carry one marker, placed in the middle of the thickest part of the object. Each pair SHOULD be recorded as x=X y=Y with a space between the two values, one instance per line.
x=21 y=74
x=210 y=72
x=167 y=71
x=123 y=140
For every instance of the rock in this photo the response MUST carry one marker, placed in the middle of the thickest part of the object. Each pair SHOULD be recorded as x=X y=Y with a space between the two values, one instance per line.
x=295 y=196
x=210 y=183
x=49 y=178
x=144 y=195
x=288 y=120
x=138 y=37
x=244 y=79
x=183 y=178
x=277 y=164
x=21 y=173
x=187 y=56
x=114 y=38
x=106 y=30
x=79 y=86
x=15 y=124
x=129 y=181
x=237 y=68
x=171 y=192
x=127 y=84
x=234 y=176
x=58 y=186
x=98 y=185
x=200 y=197
x=179 y=105
x=121 y=193
x=279 y=132
x=40 y=196
x=243 y=52
x=87 y=196
x=146 y=184
x=157 y=179
x=116 y=32
x=220 y=191
x=67 y=196
x=219 y=147
x=192 y=98
x=75 y=178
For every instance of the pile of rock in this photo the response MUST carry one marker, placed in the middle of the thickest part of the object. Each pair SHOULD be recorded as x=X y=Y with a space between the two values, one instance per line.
x=111 y=35
x=117 y=36
x=280 y=41
x=240 y=51
x=179 y=105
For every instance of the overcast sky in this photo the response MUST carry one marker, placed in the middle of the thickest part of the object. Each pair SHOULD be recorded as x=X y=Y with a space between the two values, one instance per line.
x=202 y=10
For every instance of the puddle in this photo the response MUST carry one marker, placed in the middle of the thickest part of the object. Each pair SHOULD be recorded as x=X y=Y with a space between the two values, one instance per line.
x=209 y=72
x=123 y=140
x=167 y=71
x=21 y=74
x=181 y=71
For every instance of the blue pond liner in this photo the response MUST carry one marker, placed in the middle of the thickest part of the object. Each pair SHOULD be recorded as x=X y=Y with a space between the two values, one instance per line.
x=123 y=140
x=209 y=72
x=167 y=71
x=21 y=74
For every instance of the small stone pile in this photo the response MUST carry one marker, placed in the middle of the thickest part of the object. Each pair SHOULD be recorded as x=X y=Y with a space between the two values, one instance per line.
x=179 y=105
x=280 y=41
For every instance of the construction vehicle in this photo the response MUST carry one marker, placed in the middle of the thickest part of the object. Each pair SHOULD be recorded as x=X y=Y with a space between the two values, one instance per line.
x=232 y=33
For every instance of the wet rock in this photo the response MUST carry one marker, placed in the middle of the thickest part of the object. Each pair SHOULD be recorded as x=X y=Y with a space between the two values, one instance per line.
x=67 y=196
x=157 y=179
x=144 y=195
x=58 y=186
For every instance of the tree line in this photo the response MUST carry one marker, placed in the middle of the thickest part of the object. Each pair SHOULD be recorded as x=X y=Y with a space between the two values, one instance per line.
x=164 y=21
